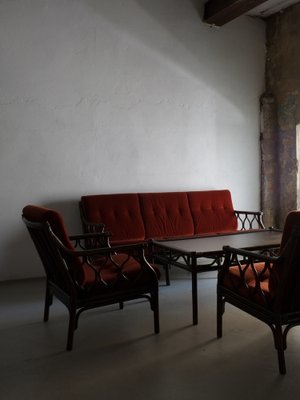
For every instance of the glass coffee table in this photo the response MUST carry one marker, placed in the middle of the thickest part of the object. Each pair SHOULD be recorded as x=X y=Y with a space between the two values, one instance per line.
x=204 y=253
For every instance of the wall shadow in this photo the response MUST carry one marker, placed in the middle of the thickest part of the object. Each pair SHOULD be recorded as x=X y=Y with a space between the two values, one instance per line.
x=194 y=51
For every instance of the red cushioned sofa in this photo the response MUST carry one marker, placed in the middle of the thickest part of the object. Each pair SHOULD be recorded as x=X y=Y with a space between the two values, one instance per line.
x=139 y=217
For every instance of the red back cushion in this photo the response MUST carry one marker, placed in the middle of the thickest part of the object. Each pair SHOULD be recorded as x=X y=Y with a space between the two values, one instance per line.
x=42 y=214
x=212 y=211
x=285 y=276
x=119 y=212
x=292 y=219
x=166 y=214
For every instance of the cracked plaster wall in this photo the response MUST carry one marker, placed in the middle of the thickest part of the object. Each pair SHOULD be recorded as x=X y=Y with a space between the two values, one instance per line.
x=279 y=193
x=121 y=96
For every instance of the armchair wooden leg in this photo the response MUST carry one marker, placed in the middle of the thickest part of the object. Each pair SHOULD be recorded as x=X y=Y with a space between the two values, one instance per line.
x=220 y=312
x=167 y=273
x=72 y=326
x=281 y=361
x=48 y=302
x=280 y=347
x=121 y=305
x=155 y=309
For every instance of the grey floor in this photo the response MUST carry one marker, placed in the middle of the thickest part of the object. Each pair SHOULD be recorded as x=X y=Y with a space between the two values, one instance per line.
x=116 y=355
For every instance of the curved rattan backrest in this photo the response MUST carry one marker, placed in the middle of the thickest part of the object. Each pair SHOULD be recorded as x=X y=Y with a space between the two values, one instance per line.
x=292 y=219
x=285 y=275
x=42 y=214
x=42 y=223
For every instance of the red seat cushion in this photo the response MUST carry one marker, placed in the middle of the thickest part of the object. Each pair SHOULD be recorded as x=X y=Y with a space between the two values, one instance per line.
x=166 y=214
x=118 y=272
x=242 y=281
x=212 y=211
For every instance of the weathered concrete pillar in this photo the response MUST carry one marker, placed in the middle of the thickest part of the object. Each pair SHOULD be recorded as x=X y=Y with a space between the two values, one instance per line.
x=269 y=160
x=287 y=155
x=283 y=81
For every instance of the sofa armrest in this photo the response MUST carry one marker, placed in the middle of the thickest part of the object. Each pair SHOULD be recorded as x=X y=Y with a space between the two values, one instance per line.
x=88 y=226
x=249 y=220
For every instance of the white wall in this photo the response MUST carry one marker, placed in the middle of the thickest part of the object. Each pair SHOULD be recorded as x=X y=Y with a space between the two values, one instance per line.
x=121 y=96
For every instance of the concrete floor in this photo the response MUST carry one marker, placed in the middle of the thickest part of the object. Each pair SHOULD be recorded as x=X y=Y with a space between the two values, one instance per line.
x=116 y=355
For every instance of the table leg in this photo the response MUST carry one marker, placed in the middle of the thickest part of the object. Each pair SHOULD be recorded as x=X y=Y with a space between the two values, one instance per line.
x=167 y=273
x=194 y=295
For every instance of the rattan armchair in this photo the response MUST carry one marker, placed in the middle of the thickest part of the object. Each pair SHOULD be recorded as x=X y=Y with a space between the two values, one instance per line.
x=83 y=274
x=268 y=288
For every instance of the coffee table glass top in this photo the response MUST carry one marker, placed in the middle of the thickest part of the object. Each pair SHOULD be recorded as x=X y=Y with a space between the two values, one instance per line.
x=214 y=244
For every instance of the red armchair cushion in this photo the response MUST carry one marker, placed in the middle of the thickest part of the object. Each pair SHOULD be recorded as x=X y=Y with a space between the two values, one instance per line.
x=42 y=214
x=279 y=287
x=121 y=215
x=212 y=211
x=119 y=272
x=166 y=214
x=243 y=282
x=127 y=267
x=285 y=274
x=292 y=219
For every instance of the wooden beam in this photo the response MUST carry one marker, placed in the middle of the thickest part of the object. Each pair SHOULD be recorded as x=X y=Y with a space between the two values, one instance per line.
x=219 y=12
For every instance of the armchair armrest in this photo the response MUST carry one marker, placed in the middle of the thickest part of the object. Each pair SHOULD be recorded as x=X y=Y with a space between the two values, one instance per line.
x=91 y=240
x=249 y=219
x=243 y=269
x=96 y=261
x=246 y=262
x=135 y=250
x=91 y=235
x=128 y=249
x=257 y=257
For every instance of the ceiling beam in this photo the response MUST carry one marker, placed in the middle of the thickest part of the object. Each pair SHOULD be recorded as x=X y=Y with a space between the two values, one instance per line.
x=219 y=12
